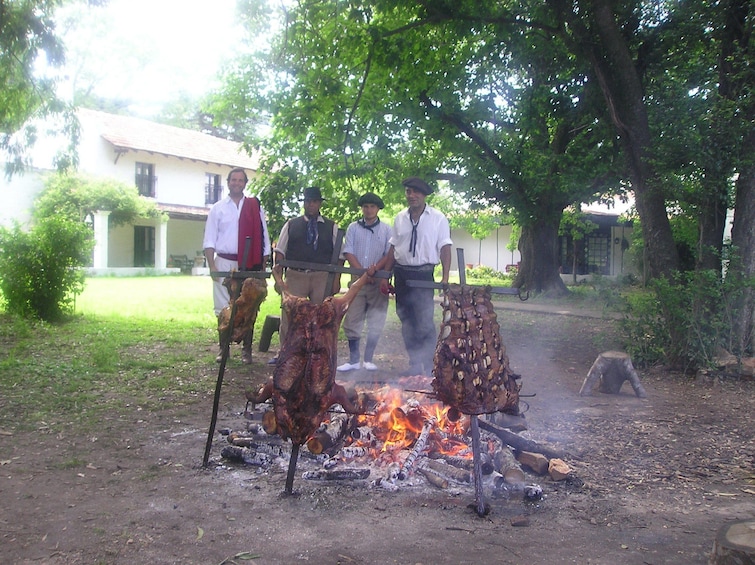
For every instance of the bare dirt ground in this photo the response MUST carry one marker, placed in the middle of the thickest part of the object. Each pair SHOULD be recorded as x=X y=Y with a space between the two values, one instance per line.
x=661 y=476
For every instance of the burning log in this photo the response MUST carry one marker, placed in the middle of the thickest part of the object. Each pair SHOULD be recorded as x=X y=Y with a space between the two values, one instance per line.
x=518 y=442
x=419 y=447
x=330 y=436
x=345 y=474
x=446 y=471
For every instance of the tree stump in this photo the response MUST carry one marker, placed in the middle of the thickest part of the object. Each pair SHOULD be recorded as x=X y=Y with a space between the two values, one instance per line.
x=611 y=369
x=735 y=544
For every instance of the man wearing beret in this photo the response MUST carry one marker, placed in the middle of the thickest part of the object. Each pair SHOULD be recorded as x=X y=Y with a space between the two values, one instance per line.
x=365 y=246
x=309 y=238
x=420 y=239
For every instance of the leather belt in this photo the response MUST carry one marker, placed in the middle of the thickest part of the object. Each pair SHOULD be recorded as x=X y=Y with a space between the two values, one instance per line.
x=228 y=256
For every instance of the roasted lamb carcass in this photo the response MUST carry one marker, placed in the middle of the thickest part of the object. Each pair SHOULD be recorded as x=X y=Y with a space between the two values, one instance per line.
x=253 y=294
x=303 y=385
x=471 y=369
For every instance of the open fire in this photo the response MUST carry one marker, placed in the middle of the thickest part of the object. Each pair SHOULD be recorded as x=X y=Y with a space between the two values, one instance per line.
x=404 y=436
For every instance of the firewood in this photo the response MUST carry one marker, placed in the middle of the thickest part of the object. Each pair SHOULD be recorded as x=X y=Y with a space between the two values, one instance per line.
x=433 y=478
x=519 y=443
x=331 y=435
x=558 y=469
x=537 y=462
x=465 y=463
x=611 y=369
x=345 y=474
x=419 y=447
x=245 y=455
x=446 y=470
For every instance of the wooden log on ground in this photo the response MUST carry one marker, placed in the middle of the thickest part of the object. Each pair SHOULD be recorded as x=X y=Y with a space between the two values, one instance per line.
x=735 y=544
x=519 y=443
x=611 y=369
x=445 y=470
x=345 y=474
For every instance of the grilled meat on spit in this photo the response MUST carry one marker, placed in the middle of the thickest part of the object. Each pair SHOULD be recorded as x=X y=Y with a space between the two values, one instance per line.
x=303 y=385
x=471 y=368
x=253 y=294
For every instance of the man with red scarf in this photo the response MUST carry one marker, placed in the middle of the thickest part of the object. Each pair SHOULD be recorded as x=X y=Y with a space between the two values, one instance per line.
x=230 y=221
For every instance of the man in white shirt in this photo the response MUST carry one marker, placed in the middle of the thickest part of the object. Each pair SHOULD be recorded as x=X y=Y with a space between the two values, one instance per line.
x=420 y=239
x=365 y=246
x=229 y=222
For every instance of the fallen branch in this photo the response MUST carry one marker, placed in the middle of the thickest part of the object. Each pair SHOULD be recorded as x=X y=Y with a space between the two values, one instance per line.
x=518 y=442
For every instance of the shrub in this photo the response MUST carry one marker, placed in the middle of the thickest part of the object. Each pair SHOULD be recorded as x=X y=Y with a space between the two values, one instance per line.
x=40 y=271
x=682 y=321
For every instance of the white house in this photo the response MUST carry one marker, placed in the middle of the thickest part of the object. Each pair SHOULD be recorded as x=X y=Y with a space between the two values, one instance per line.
x=183 y=171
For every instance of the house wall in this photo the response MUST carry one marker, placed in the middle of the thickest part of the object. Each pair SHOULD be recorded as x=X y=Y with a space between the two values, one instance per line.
x=17 y=197
x=491 y=251
x=185 y=237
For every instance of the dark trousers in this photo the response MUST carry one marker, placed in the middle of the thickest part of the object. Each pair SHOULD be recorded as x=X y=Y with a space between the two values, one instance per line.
x=414 y=307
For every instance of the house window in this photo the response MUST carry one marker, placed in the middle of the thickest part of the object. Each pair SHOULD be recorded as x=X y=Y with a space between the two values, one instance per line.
x=146 y=179
x=597 y=254
x=212 y=188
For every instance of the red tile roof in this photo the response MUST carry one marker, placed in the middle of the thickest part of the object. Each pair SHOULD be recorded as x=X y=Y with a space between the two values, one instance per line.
x=135 y=134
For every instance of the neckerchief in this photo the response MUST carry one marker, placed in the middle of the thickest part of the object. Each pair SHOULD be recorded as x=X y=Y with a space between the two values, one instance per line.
x=312 y=232
x=413 y=238
x=371 y=226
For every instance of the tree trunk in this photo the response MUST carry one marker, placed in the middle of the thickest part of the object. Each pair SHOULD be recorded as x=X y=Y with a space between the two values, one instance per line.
x=618 y=77
x=743 y=242
x=539 y=270
x=712 y=222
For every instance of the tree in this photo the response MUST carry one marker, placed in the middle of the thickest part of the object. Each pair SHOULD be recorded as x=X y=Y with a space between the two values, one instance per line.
x=468 y=94
x=27 y=34
x=604 y=33
x=77 y=196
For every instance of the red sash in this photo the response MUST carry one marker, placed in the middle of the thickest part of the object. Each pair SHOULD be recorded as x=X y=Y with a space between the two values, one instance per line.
x=250 y=224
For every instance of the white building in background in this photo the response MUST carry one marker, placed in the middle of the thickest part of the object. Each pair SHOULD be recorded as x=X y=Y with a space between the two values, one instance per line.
x=183 y=171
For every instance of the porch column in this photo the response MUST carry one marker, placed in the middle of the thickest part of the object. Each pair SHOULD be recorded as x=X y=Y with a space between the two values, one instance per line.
x=161 y=244
x=101 y=233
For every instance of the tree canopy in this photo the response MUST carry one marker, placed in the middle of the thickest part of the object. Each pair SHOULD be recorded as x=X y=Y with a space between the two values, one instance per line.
x=28 y=38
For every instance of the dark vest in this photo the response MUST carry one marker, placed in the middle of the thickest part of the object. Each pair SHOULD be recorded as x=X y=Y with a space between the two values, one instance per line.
x=298 y=250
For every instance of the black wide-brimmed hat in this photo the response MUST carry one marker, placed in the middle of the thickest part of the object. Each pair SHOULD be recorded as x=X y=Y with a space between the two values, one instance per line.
x=312 y=193
x=418 y=184
x=371 y=198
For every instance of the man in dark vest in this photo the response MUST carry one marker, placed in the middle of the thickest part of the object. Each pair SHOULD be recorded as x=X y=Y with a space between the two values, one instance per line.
x=310 y=238
x=229 y=222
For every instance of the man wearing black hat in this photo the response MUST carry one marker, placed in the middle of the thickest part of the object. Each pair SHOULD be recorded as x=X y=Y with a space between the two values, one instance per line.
x=420 y=239
x=310 y=238
x=365 y=246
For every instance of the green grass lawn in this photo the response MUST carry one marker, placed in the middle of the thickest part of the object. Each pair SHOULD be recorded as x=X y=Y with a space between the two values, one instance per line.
x=132 y=341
